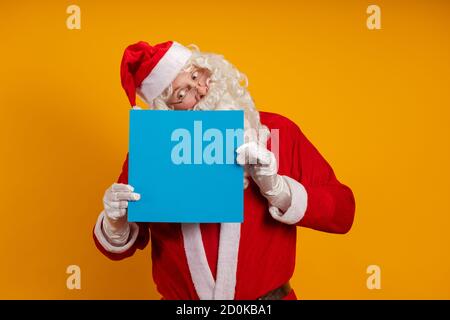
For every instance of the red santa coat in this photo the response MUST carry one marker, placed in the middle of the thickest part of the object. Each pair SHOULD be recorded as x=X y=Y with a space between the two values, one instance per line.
x=245 y=261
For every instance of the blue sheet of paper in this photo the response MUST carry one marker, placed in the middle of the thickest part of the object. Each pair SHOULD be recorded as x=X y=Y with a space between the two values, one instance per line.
x=183 y=164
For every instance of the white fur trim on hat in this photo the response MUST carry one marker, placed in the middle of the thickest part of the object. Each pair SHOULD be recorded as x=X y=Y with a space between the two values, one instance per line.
x=165 y=71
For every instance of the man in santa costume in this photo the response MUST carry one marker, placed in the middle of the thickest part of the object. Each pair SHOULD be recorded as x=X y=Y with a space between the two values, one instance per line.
x=297 y=187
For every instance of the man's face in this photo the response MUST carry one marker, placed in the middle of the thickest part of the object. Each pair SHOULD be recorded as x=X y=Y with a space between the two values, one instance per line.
x=189 y=88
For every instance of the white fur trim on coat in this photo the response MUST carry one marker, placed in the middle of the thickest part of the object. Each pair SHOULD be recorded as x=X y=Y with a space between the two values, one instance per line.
x=224 y=286
x=198 y=264
x=230 y=235
x=103 y=240
x=298 y=206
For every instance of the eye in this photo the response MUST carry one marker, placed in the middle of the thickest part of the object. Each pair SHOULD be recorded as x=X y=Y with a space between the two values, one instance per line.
x=195 y=75
x=181 y=94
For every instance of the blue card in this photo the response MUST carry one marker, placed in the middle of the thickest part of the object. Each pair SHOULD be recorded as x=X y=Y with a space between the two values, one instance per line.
x=183 y=164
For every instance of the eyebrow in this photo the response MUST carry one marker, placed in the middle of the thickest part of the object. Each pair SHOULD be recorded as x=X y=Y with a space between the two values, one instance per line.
x=175 y=90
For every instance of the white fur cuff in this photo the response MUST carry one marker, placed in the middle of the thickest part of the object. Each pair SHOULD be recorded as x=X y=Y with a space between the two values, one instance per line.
x=298 y=206
x=103 y=240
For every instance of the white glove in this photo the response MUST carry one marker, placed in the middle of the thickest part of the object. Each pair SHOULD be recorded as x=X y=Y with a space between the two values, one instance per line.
x=115 y=226
x=262 y=166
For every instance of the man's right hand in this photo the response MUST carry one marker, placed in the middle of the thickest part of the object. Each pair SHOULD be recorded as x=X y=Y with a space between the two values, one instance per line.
x=115 y=201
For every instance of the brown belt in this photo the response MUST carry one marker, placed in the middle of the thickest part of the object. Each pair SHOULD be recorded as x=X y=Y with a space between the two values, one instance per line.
x=278 y=293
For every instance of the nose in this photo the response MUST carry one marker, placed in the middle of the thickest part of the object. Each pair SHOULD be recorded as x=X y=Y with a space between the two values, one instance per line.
x=202 y=89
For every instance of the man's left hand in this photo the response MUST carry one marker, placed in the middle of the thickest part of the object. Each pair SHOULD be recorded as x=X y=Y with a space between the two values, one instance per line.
x=263 y=168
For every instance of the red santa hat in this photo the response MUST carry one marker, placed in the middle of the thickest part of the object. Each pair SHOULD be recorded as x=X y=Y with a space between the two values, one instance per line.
x=148 y=70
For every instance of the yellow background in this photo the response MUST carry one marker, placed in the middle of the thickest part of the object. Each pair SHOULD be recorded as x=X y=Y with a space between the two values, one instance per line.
x=375 y=103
